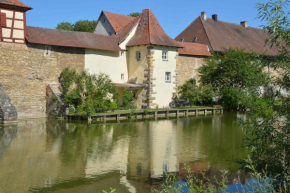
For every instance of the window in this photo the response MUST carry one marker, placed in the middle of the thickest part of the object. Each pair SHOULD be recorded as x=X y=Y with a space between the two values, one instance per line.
x=122 y=76
x=194 y=39
x=3 y=20
x=138 y=56
x=164 y=55
x=168 y=77
x=103 y=19
x=182 y=40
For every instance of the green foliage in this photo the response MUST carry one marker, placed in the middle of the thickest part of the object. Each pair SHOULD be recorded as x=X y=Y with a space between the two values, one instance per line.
x=81 y=25
x=233 y=76
x=134 y=14
x=196 y=94
x=112 y=190
x=127 y=99
x=267 y=127
x=88 y=93
x=65 y=26
x=202 y=184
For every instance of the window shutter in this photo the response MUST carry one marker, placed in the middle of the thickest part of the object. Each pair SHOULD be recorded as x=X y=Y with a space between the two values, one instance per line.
x=3 y=20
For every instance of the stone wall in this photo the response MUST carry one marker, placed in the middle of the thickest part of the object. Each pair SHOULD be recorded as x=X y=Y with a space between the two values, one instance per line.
x=26 y=70
x=188 y=68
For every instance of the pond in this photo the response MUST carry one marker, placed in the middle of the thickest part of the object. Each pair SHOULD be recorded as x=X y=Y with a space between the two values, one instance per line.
x=46 y=155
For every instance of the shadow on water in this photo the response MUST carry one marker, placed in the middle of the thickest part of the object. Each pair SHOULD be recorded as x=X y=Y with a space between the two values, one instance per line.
x=59 y=156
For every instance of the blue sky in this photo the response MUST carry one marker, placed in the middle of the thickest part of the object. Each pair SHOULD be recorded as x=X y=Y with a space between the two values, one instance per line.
x=173 y=15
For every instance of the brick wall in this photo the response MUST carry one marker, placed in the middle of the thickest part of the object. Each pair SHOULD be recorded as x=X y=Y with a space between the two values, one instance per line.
x=25 y=71
x=187 y=68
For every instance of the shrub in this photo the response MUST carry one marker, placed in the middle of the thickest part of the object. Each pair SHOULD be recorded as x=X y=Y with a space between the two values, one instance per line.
x=196 y=94
x=88 y=93
x=127 y=99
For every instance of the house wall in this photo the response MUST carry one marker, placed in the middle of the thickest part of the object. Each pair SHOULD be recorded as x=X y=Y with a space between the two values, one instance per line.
x=26 y=70
x=14 y=31
x=188 y=68
x=163 y=91
x=104 y=28
x=111 y=63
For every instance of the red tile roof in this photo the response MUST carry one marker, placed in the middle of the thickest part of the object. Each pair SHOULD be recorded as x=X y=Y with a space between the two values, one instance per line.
x=118 y=21
x=193 y=49
x=123 y=34
x=150 y=32
x=14 y=3
x=220 y=36
x=72 y=39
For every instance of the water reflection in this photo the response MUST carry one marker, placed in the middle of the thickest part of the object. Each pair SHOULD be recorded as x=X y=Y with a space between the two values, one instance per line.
x=56 y=156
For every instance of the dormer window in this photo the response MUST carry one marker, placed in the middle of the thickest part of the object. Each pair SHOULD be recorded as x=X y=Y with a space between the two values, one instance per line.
x=103 y=19
x=3 y=20
x=181 y=40
x=194 y=39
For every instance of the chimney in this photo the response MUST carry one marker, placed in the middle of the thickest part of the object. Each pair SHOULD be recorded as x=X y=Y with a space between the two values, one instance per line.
x=244 y=24
x=215 y=17
x=203 y=15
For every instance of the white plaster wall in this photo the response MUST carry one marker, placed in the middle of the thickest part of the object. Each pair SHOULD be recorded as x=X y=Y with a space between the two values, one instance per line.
x=19 y=15
x=131 y=34
x=164 y=91
x=18 y=34
x=111 y=63
x=19 y=24
x=104 y=28
x=9 y=14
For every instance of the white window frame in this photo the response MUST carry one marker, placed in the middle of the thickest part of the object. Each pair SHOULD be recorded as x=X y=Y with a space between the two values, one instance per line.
x=138 y=56
x=164 y=55
x=168 y=77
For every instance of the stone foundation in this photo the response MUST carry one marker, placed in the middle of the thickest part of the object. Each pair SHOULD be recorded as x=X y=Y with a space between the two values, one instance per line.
x=26 y=70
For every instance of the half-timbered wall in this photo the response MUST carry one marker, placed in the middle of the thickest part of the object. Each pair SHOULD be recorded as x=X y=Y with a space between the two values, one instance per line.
x=12 y=26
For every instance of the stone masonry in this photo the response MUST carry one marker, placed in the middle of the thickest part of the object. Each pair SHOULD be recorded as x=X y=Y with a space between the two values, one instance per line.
x=188 y=68
x=26 y=70
x=8 y=112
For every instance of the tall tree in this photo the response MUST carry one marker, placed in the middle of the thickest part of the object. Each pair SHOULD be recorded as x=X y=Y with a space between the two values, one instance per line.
x=235 y=77
x=134 y=14
x=267 y=127
x=81 y=25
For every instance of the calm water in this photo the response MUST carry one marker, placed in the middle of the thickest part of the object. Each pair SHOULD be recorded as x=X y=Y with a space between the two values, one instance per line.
x=60 y=157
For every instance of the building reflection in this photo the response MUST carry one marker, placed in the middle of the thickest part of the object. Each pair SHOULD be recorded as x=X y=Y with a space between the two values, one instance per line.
x=57 y=156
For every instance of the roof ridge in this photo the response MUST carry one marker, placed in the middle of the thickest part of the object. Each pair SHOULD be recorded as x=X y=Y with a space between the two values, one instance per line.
x=226 y=22
x=205 y=32
x=118 y=14
x=149 y=23
x=67 y=31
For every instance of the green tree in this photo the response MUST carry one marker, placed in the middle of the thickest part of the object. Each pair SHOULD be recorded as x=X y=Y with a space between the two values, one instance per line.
x=127 y=99
x=196 y=94
x=267 y=127
x=81 y=25
x=134 y=14
x=88 y=93
x=235 y=77
x=65 y=26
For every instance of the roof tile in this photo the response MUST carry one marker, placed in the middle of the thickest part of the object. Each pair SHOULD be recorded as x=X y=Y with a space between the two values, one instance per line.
x=16 y=3
x=72 y=39
x=194 y=49
x=150 y=32
x=118 y=21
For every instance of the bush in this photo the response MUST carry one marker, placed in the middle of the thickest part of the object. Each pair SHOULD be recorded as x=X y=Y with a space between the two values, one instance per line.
x=196 y=94
x=235 y=77
x=127 y=99
x=88 y=93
